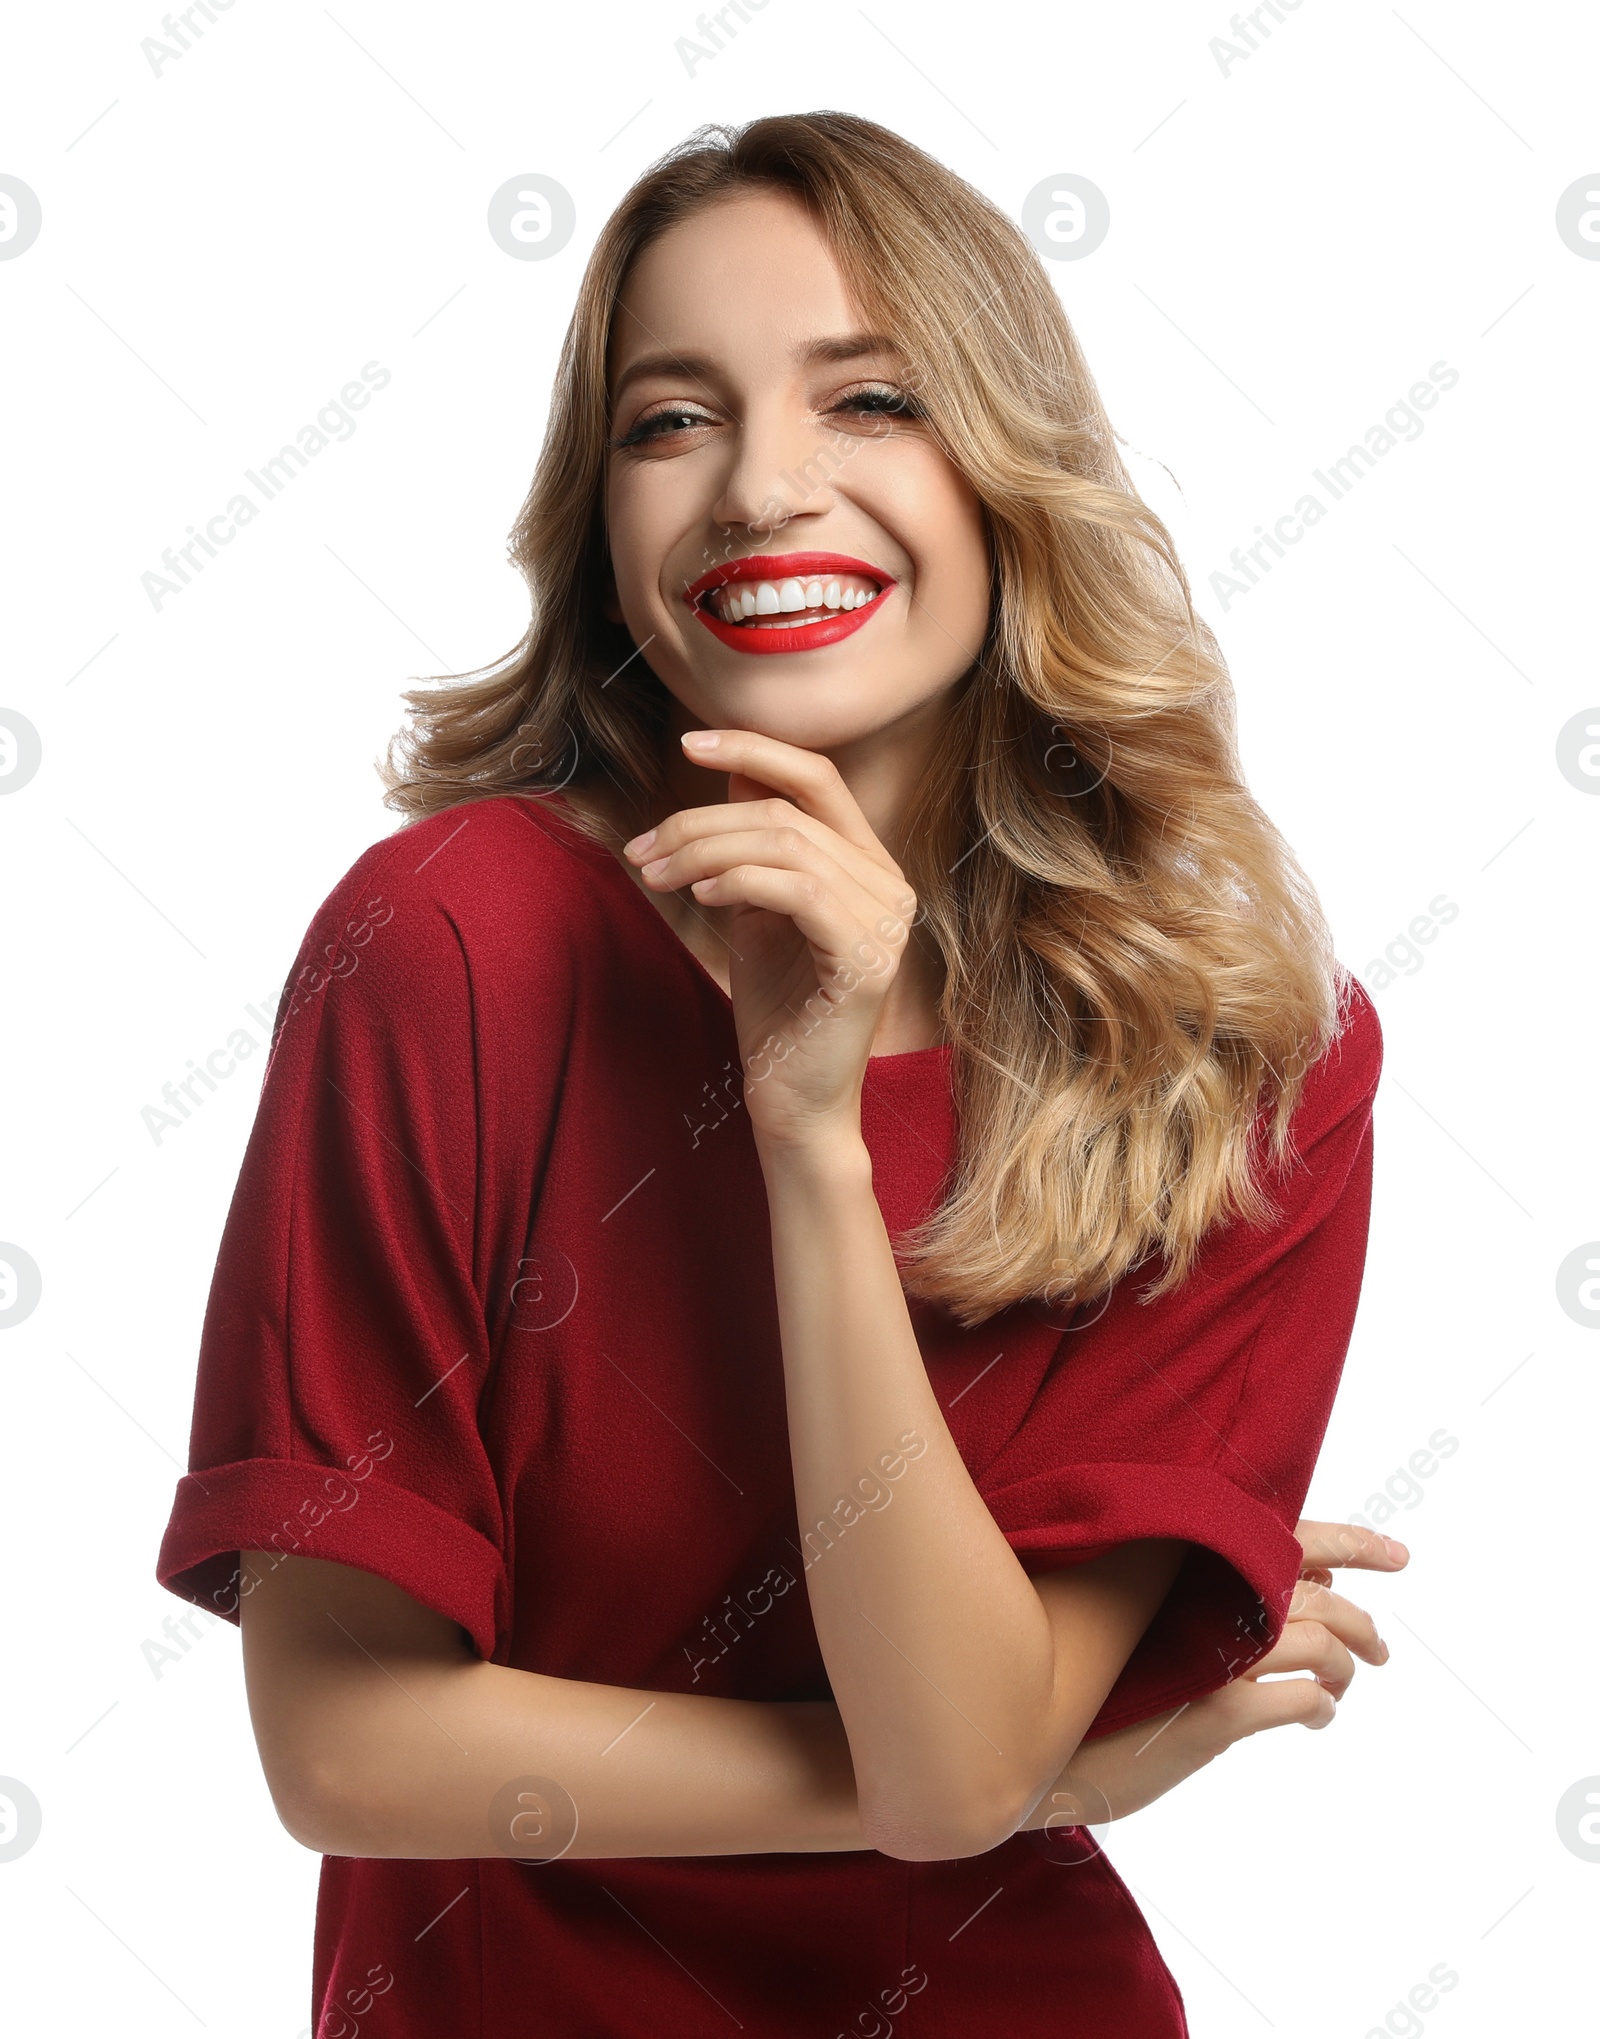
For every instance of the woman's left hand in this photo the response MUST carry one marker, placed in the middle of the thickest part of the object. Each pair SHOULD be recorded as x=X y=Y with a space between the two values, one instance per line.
x=1121 y=1772
x=821 y=916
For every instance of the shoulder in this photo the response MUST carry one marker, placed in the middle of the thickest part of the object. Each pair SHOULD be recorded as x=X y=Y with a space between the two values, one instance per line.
x=1343 y=1081
x=493 y=894
x=482 y=868
x=474 y=858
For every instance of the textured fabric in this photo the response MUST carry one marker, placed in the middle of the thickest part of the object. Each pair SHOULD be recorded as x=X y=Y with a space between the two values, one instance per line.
x=493 y=1318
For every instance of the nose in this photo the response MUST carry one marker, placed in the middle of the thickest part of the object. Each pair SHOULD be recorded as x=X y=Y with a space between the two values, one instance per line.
x=780 y=466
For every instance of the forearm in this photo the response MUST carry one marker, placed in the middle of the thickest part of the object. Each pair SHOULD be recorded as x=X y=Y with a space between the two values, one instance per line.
x=1122 y=1772
x=413 y=1754
x=939 y=1651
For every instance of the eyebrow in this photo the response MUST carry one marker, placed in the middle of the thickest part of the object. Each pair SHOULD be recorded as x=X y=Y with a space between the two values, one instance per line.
x=837 y=347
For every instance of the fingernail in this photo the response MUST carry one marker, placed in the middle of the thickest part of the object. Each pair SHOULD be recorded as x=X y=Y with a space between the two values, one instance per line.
x=656 y=866
x=640 y=843
x=1382 y=1645
x=701 y=739
x=1397 y=1551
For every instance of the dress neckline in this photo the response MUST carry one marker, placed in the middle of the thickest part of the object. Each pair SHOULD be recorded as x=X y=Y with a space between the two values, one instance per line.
x=552 y=805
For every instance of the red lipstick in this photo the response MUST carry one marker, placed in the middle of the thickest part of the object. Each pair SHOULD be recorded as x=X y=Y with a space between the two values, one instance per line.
x=781 y=566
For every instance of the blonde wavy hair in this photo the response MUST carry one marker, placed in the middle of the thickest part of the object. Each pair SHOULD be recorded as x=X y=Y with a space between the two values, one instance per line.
x=1138 y=976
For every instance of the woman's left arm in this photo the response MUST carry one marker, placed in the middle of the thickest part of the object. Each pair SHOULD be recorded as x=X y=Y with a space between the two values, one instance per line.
x=1121 y=1772
x=964 y=1685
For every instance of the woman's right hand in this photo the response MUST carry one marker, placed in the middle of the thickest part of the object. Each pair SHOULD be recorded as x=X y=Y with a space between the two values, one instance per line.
x=1121 y=1773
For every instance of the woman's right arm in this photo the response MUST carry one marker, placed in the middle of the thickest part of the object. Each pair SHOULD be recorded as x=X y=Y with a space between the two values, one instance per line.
x=383 y=1733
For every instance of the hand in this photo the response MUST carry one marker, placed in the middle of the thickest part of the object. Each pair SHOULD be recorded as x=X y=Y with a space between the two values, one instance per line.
x=821 y=916
x=1123 y=1772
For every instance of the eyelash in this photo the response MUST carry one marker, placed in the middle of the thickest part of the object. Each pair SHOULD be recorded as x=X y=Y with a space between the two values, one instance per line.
x=896 y=404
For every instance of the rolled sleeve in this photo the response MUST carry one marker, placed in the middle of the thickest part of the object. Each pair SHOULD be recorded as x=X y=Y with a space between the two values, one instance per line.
x=345 y=1352
x=1200 y=1415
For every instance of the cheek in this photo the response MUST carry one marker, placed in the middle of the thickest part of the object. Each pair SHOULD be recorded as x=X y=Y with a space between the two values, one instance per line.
x=635 y=551
x=975 y=572
x=646 y=519
x=942 y=527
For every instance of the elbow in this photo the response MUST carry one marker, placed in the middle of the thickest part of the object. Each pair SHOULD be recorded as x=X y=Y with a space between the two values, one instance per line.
x=298 y=1774
x=947 y=1830
x=321 y=1803
x=309 y=1812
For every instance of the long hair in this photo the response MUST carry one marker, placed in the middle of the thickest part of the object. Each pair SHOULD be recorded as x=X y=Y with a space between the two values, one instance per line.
x=1138 y=976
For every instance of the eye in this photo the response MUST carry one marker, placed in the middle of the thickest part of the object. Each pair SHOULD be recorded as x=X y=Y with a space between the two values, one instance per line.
x=674 y=417
x=879 y=400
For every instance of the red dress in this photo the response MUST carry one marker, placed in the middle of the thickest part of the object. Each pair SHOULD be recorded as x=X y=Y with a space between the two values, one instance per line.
x=493 y=1318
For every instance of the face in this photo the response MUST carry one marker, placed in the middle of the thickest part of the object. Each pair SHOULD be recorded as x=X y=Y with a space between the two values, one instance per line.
x=789 y=544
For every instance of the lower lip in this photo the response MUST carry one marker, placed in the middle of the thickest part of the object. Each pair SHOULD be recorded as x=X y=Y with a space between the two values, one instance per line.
x=807 y=637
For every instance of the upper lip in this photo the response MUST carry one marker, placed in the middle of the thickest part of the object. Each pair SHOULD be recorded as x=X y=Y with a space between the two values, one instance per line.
x=783 y=566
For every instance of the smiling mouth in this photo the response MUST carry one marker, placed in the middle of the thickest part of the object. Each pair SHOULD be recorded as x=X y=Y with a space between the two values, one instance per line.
x=784 y=602
x=792 y=603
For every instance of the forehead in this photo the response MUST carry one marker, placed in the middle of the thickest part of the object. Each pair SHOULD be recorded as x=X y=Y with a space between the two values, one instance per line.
x=747 y=280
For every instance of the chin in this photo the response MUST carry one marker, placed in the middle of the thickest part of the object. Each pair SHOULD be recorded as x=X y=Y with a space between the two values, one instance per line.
x=803 y=701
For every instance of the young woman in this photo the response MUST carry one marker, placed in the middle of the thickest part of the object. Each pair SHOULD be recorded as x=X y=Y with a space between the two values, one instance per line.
x=806 y=1212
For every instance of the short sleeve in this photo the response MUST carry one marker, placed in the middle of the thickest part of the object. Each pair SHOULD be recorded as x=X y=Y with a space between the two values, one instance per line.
x=1200 y=1415
x=345 y=1346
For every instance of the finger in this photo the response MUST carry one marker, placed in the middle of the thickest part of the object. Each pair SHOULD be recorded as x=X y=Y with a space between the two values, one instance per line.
x=1308 y=1646
x=1244 y=1707
x=781 y=850
x=879 y=875
x=1353 y=1625
x=1344 y=1543
x=815 y=911
x=784 y=849
x=812 y=781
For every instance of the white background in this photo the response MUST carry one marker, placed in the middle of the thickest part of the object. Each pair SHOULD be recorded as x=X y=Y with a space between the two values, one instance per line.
x=1293 y=244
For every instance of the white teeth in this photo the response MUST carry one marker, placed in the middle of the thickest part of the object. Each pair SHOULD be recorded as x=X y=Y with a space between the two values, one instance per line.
x=739 y=601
